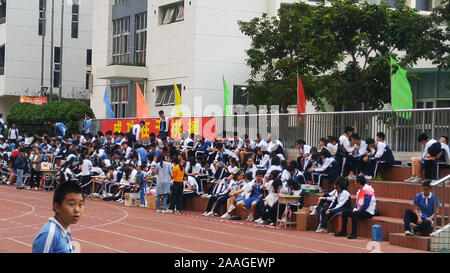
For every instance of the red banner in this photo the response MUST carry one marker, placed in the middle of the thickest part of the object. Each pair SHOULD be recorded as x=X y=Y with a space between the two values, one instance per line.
x=37 y=101
x=205 y=127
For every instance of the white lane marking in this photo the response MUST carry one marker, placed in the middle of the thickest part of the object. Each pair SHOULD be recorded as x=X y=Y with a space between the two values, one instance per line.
x=193 y=237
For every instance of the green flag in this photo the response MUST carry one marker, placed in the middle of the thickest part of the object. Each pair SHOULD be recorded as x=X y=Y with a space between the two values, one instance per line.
x=226 y=98
x=402 y=98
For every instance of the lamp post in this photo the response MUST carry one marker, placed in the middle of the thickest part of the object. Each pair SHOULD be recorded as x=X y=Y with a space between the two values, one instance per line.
x=61 y=50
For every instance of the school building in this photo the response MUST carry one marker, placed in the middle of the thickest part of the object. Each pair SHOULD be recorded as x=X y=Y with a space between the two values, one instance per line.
x=27 y=64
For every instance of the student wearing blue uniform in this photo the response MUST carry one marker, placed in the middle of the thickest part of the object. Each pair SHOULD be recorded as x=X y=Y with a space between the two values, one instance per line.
x=423 y=213
x=55 y=236
x=381 y=153
x=329 y=168
x=59 y=127
x=256 y=195
x=87 y=124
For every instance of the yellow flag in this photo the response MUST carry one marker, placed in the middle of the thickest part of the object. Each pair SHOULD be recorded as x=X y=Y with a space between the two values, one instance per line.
x=178 y=111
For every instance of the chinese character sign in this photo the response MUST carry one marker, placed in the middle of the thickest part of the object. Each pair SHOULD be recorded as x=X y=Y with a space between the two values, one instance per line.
x=205 y=127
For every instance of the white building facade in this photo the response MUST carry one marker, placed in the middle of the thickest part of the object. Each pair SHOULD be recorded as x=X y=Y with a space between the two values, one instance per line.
x=23 y=24
x=191 y=43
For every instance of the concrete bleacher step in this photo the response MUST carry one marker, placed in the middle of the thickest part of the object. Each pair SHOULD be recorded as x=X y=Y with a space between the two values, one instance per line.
x=415 y=242
x=397 y=173
x=397 y=190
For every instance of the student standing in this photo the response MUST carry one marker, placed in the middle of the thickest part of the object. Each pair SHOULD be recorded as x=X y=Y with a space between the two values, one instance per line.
x=164 y=176
x=164 y=124
x=21 y=165
x=13 y=134
x=87 y=125
x=135 y=133
x=55 y=236
x=36 y=168
x=177 y=187
x=86 y=167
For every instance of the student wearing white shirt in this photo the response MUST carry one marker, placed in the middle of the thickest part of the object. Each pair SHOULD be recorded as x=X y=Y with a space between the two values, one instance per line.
x=330 y=168
x=432 y=150
x=344 y=150
x=332 y=145
x=239 y=193
x=86 y=167
x=444 y=150
x=135 y=133
x=340 y=199
x=303 y=152
x=355 y=159
x=126 y=150
x=164 y=124
x=13 y=134
x=262 y=160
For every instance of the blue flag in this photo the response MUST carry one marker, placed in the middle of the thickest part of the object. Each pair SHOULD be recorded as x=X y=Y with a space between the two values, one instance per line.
x=108 y=105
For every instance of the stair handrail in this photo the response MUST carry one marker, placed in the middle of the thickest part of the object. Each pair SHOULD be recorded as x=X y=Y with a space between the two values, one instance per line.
x=436 y=184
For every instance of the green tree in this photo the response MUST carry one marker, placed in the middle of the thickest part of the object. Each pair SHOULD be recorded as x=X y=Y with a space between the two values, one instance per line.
x=37 y=119
x=342 y=52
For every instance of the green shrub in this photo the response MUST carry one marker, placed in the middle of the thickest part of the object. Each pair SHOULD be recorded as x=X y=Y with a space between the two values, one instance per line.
x=37 y=119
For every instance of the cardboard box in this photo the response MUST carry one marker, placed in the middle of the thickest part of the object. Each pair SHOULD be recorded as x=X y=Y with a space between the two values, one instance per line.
x=310 y=189
x=132 y=199
x=151 y=201
x=302 y=219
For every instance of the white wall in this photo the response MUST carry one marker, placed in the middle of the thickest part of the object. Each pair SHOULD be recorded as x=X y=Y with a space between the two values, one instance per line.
x=23 y=48
x=101 y=51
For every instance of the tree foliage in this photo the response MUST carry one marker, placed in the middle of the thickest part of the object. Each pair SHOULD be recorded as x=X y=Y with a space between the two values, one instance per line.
x=342 y=52
x=35 y=119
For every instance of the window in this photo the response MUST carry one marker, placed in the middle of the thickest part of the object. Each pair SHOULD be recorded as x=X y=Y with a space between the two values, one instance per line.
x=2 y=11
x=240 y=95
x=172 y=13
x=423 y=5
x=119 y=1
x=88 y=64
x=57 y=69
x=141 y=38
x=75 y=18
x=2 y=60
x=41 y=23
x=119 y=100
x=121 y=34
x=166 y=95
x=432 y=90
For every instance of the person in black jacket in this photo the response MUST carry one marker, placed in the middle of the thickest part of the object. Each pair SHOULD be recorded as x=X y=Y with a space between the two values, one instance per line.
x=21 y=165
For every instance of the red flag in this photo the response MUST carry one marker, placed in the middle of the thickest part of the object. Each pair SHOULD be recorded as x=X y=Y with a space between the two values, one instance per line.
x=301 y=98
x=142 y=110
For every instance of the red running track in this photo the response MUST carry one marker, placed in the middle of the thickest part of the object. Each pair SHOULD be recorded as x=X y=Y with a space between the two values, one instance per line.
x=108 y=227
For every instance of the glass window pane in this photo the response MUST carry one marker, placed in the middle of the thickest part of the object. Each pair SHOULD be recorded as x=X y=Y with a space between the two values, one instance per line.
x=443 y=103
x=444 y=85
x=426 y=83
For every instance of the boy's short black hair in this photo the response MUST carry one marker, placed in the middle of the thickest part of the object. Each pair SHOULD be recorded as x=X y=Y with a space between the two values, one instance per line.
x=64 y=189
x=361 y=180
x=446 y=138
x=426 y=183
x=370 y=140
x=381 y=135
x=422 y=137
x=161 y=112
x=356 y=136
x=348 y=129
x=260 y=172
x=300 y=142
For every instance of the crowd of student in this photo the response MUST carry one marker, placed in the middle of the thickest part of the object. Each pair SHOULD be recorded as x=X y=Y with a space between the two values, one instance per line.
x=232 y=173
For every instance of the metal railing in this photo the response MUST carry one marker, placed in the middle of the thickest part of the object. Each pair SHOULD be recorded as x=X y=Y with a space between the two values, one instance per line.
x=400 y=127
x=436 y=184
